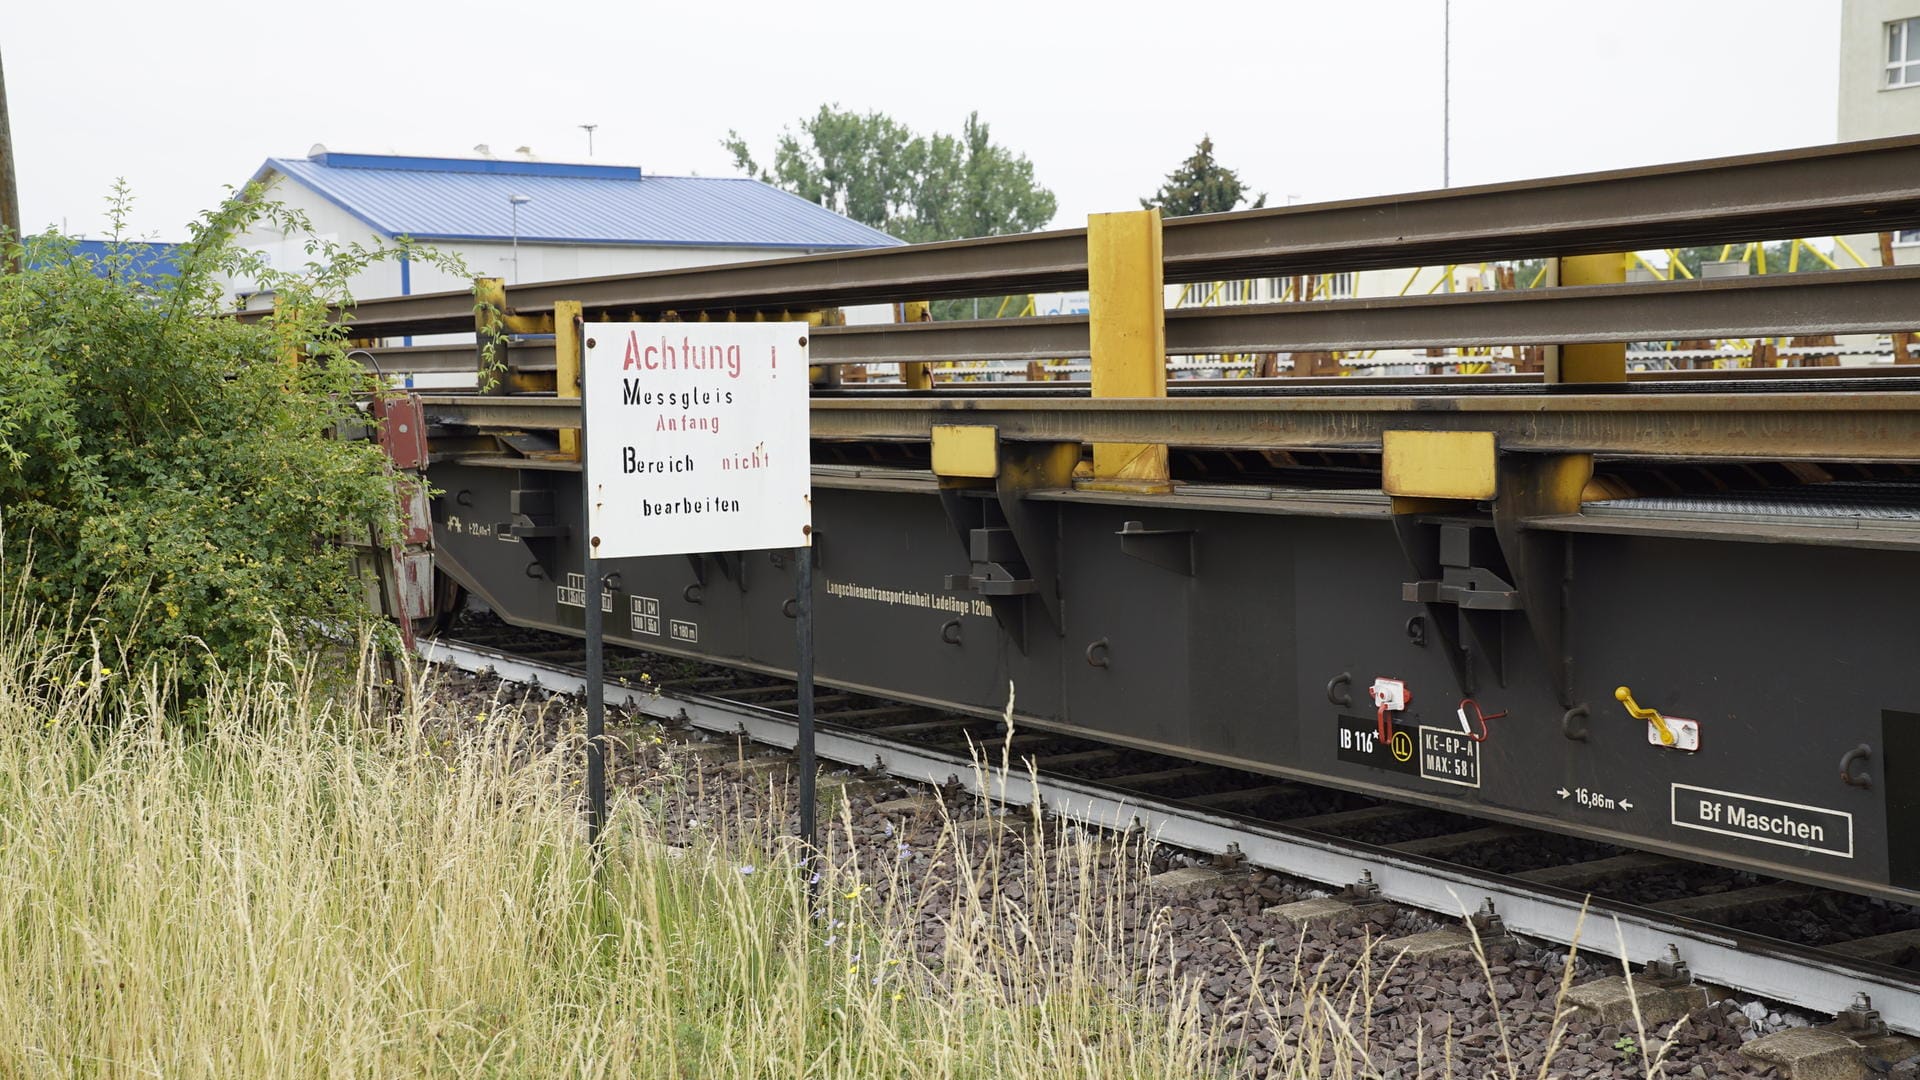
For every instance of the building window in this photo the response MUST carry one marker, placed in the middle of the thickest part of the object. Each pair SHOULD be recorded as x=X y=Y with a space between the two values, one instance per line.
x=1903 y=53
x=1907 y=236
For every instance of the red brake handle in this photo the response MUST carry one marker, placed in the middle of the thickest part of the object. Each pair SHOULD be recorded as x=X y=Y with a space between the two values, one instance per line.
x=1479 y=718
x=1381 y=725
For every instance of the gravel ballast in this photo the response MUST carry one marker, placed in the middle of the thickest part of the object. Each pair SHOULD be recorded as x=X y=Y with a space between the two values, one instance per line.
x=1254 y=977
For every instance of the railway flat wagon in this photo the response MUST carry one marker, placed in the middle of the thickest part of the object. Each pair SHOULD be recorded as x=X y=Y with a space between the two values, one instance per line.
x=1677 y=610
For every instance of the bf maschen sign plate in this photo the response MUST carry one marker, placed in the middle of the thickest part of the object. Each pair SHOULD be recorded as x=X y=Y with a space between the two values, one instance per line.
x=696 y=437
x=1768 y=821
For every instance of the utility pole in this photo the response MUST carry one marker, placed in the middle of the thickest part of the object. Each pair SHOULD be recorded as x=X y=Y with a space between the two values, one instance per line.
x=516 y=202
x=9 y=189
x=1446 y=94
x=1446 y=105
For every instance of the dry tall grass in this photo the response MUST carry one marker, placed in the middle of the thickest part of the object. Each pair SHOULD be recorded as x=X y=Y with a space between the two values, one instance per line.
x=317 y=883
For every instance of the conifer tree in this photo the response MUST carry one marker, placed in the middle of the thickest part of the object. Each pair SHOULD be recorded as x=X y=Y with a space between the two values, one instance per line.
x=1201 y=185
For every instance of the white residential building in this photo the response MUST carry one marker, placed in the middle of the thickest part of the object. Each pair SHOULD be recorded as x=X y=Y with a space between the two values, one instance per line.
x=1880 y=91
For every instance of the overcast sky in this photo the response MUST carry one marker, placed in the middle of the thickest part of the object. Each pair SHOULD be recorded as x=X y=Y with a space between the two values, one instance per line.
x=1316 y=100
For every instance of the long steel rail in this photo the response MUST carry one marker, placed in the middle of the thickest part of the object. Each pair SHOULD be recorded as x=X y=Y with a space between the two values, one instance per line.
x=538 y=356
x=1868 y=186
x=1862 y=425
x=1846 y=188
x=1836 y=302
x=1803 y=977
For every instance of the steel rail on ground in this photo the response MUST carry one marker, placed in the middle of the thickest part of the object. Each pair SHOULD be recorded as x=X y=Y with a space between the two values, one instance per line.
x=1800 y=977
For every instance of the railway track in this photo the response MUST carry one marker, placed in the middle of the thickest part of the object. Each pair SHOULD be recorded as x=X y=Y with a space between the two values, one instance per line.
x=1826 y=952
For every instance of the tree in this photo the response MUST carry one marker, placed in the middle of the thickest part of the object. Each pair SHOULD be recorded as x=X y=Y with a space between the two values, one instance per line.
x=919 y=188
x=1201 y=185
x=169 y=480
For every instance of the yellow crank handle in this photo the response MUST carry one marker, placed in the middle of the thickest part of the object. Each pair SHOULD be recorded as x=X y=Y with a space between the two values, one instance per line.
x=1652 y=716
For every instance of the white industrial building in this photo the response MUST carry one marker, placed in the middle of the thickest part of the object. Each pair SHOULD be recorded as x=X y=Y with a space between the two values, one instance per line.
x=525 y=220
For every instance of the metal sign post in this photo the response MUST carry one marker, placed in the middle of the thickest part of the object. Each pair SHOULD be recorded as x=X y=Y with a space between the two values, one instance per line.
x=595 y=628
x=705 y=447
x=803 y=619
x=596 y=709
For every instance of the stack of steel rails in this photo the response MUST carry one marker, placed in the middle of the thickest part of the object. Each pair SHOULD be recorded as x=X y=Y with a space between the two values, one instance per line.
x=1688 y=590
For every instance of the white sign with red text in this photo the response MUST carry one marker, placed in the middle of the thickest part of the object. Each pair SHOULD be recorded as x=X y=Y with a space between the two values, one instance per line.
x=696 y=437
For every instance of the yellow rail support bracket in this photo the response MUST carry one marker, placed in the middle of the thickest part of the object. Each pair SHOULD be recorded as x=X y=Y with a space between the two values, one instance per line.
x=966 y=450
x=916 y=376
x=1605 y=363
x=567 y=316
x=1128 y=337
x=529 y=382
x=529 y=324
x=1438 y=464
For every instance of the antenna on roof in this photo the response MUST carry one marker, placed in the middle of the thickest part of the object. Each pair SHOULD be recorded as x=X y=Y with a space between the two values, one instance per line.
x=525 y=152
x=317 y=150
x=588 y=128
x=483 y=150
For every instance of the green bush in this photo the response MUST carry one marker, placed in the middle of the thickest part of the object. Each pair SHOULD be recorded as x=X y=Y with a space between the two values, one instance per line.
x=170 y=473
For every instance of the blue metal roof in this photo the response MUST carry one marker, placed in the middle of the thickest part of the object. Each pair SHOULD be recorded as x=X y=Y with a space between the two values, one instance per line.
x=148 y=262
x=467 y=199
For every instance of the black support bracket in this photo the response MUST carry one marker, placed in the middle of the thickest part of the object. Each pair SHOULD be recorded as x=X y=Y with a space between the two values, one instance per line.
x=1013 y=542
x=1169 y=549
x=1479 y=568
